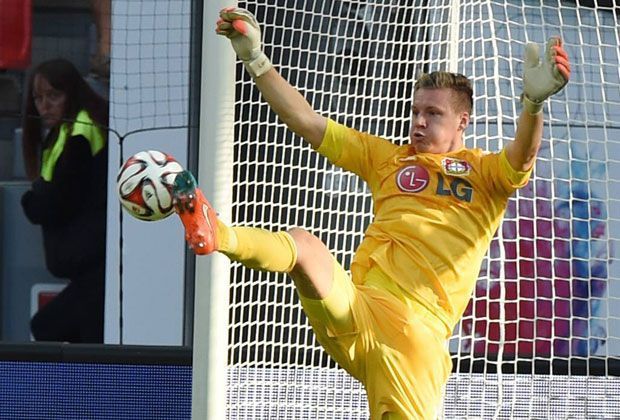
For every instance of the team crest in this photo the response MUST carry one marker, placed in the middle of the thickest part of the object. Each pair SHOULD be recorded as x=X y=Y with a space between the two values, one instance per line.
x=455 y=167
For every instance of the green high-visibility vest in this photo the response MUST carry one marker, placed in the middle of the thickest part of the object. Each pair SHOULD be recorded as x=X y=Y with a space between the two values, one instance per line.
x=83 y=125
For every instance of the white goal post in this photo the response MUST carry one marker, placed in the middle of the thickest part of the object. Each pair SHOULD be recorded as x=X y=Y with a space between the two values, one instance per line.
x=541 y=337
x=215 y=176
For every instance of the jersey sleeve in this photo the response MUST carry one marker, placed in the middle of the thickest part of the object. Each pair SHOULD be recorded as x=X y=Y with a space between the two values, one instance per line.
x=354 y=151
x=502 y=176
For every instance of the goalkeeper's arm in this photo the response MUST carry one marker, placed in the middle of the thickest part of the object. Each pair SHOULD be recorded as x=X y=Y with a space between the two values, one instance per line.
x=241 y=28
x=541 y=79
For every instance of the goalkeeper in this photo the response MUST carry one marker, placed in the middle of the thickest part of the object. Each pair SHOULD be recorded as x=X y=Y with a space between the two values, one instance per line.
x=437 y=206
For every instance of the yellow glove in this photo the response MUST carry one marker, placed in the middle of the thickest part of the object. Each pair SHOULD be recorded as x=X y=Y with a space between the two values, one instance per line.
x=241 y=28
x=542 y=79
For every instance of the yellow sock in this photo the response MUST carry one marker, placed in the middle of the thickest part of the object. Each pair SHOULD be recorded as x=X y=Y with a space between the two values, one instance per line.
x=258 y=249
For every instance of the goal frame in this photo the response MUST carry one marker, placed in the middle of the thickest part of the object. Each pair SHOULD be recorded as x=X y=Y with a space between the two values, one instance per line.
x=219 y=86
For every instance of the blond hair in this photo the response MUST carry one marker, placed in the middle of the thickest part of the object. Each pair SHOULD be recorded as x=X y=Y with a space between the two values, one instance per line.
x=462 y=98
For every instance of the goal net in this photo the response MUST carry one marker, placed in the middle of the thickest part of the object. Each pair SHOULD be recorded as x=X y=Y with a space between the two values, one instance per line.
x=541 y=336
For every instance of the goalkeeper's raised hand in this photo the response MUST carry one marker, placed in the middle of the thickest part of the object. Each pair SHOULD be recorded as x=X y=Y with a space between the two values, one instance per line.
x=241 y=28
x=543 y=78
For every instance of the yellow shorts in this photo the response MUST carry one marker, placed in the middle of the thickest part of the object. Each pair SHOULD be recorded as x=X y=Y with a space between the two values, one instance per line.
x=395 y=347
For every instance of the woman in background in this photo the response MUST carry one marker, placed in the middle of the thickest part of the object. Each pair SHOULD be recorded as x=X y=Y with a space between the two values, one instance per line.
x=65 y=154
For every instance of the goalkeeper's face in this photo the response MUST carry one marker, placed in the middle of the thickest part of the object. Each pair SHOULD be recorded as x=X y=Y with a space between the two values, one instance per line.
x=436 y=126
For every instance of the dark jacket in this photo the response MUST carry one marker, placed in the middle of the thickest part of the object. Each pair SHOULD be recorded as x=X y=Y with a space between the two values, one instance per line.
x=71 y=209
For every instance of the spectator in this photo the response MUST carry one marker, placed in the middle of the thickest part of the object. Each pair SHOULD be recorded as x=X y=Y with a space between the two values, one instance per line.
x=65 y=154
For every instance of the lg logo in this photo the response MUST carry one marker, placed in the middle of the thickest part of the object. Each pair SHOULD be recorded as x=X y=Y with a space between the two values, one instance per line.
x=457 y=187
x=413 y=179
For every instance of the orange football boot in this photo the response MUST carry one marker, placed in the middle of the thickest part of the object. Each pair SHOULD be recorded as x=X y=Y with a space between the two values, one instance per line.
x=197 y=215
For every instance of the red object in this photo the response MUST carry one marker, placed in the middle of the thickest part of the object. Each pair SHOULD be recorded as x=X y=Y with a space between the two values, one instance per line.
x=15 y=33
x=43 y=298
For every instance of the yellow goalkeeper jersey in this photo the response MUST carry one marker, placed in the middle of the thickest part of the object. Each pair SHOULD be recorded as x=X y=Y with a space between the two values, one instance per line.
x=434 y=214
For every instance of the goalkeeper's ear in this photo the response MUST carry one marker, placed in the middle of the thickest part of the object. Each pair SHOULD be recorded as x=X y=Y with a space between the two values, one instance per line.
x=464 y=120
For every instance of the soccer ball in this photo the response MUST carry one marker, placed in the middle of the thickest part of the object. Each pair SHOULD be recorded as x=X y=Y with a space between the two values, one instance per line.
x=144 y=184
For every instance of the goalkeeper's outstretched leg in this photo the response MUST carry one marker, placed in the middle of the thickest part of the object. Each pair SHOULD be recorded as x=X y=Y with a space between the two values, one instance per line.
x=296 y=252
x=362 y=324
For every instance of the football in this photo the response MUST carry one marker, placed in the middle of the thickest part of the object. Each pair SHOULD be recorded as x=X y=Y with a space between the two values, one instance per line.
x=144 y=184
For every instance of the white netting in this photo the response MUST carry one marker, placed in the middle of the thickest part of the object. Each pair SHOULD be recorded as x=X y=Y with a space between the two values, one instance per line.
x=150 y=64
x=548 y=292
